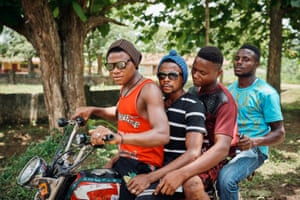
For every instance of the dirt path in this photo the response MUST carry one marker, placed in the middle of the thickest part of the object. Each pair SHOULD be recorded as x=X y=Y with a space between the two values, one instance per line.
x=15 y=139
x=290 y=93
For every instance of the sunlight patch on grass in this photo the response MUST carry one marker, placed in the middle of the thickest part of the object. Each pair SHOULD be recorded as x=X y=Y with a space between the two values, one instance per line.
x=20 y=88
x=268 y=169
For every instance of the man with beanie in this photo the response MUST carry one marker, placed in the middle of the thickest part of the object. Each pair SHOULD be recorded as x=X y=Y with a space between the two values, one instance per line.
x=187 y=126
x=142 y=122
x=221 y=126
x=260 y=120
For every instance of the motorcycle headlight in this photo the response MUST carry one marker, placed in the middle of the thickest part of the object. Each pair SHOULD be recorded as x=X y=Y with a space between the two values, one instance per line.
x=35 y=168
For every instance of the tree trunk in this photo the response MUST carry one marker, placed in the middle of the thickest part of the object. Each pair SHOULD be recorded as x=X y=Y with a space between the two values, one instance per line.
x=73 y=84
x=207 y=29
x=275 y=45
x=31 y=72
x=89 y=56
x=61 y=58
x=99 y=64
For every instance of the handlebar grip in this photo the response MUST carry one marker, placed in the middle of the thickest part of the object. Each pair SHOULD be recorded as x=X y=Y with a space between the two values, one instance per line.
x=108 y=137
x=80 y=121
x=105 y=139
x=62 y=122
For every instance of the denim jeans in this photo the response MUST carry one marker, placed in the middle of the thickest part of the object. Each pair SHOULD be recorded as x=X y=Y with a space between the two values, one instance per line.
x=237 y=169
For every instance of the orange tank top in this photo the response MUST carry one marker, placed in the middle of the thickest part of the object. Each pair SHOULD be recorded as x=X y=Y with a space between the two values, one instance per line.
x=129 y=121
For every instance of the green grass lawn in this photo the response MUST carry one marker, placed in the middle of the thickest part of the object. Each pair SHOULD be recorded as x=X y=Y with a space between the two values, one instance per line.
x=279 y=177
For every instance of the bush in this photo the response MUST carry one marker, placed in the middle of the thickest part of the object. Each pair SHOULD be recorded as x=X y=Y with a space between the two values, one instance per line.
x=9 y=189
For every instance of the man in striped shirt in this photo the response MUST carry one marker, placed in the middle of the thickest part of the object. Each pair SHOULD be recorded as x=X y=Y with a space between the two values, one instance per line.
x=187 y=126
x=221 y=126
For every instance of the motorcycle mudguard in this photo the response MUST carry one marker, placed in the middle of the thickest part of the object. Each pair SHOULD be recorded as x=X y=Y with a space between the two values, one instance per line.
x=98 y=184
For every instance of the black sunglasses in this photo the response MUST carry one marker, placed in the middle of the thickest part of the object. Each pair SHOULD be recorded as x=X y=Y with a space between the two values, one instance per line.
x=171 y=75
x=118 y=65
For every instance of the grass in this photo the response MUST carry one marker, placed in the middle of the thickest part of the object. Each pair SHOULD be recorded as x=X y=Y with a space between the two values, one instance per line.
x=28 y=88
x=20 y=88
x=279 y=177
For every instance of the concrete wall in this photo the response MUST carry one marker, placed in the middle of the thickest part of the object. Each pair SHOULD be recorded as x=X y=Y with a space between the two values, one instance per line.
x=25 y=108
x=19 y=78
x=24 y=78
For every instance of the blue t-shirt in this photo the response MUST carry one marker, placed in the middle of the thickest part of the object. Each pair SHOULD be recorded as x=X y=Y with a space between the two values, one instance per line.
x=258 y=105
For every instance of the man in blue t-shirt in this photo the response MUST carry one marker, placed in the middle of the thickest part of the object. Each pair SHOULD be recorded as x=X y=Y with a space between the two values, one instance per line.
x=260 y=122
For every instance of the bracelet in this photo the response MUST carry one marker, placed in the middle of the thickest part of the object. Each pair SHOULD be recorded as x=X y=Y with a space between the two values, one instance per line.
x=121 y=142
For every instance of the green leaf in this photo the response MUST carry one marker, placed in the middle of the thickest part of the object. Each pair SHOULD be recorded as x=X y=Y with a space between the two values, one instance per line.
x=78 y=10
x=104 y=29
x=56 y=12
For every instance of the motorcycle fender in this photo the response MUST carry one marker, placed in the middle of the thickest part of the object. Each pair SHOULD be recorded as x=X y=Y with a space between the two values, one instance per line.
x=91 y=186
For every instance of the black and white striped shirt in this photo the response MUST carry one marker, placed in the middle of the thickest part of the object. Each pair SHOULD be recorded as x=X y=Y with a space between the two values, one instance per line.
x=185 y=114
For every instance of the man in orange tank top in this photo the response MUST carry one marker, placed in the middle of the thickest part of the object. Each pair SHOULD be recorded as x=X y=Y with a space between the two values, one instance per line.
x=143 y=127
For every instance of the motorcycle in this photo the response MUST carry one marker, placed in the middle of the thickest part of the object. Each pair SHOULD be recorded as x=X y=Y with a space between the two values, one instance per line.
x=61 y=180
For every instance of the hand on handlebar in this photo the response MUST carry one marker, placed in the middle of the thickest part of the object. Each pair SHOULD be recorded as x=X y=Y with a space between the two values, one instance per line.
x=102 y=135
x=84 y=112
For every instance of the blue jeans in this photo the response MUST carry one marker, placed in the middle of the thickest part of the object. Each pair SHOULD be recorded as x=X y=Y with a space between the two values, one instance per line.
x=237 y=169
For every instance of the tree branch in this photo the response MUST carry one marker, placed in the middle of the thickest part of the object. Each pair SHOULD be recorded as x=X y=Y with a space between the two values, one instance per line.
x=96 y=21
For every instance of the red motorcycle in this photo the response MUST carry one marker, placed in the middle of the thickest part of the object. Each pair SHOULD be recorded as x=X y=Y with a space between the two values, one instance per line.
x=61 y=180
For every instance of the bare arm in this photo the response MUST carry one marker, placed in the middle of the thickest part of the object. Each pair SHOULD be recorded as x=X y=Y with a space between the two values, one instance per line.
x=214 y=155
x=275 y=136
x=150 y=106
x=86 y=112
x=194 y=142
x=209 y=159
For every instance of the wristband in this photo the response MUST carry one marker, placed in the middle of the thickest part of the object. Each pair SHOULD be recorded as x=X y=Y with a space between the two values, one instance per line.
x=121 y=142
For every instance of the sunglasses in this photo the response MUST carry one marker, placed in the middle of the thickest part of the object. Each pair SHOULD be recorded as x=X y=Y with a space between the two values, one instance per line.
x=119 y=65
x=171 y=75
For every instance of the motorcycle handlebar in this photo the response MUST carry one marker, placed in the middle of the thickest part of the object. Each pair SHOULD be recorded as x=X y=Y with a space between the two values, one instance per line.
x=62 y=122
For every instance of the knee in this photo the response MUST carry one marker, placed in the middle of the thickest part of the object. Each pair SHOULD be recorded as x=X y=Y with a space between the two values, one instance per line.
x=195 y=190
x=193 y=185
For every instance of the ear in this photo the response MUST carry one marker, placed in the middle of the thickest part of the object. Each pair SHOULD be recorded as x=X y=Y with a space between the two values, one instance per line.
x=219 y=72
x=256 y=64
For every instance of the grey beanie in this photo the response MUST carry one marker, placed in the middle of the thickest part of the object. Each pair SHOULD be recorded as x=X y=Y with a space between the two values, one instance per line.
x=179 y=61
x=129 y=48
